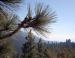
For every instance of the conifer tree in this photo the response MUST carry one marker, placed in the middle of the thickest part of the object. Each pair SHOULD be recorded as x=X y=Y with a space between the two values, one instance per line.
x=29 y=48
x=42 y=50
x=6 y=49
x=46 y=54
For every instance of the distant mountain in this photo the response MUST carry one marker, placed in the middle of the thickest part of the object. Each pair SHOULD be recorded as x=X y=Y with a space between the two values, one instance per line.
x=18 y=40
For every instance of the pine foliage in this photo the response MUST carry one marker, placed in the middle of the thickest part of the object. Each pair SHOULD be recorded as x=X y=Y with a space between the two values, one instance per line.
x=6 y=49
x=34 y=50
x=42 y=50
x=38 y=22
x=29 y=48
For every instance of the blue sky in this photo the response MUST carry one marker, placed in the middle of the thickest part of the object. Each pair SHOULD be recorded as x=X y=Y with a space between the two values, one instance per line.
x=65 y=10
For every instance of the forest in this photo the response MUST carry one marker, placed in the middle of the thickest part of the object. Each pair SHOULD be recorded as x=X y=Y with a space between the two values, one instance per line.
x=17 y=38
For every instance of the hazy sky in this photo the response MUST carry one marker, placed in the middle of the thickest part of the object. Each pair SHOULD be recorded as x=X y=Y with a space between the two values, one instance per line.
x=65 y=10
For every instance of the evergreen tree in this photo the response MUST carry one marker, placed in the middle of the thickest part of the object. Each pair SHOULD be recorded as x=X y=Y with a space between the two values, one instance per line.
x=42 y=50
x=29 y=48
x=6 y=49
x=46 y=54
